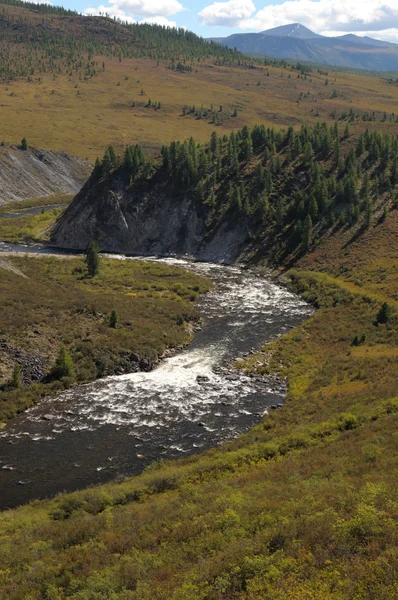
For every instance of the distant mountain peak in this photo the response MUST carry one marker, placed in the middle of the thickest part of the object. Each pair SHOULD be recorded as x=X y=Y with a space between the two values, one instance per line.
x=293 y=30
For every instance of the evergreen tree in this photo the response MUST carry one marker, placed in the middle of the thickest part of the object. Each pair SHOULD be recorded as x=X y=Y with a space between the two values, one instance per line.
x=385 y=313
x=92 y=259
x=114 y=319
x=306 y=235
x=368 y=213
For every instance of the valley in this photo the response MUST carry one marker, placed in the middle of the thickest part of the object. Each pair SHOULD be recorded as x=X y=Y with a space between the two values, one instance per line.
x=209 y=412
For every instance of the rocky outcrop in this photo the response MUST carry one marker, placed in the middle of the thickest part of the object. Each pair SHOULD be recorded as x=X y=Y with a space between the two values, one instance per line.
x=36 y=173
x=148 y=219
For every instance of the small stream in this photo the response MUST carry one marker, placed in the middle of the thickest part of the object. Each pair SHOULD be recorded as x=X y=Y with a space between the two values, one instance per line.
x=118 y=425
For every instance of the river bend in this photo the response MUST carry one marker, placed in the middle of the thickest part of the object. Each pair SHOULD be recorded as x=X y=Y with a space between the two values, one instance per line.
x=118 y=425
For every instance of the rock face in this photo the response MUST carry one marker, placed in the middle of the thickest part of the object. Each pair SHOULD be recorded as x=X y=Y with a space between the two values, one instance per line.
x=146 y=220
x=36 y=173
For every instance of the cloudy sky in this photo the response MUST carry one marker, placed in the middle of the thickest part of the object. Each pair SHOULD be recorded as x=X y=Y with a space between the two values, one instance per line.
x=376 y=18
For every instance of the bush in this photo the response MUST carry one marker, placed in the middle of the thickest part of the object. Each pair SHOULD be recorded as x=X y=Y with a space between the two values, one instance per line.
x=63 y=365
x=347 y=421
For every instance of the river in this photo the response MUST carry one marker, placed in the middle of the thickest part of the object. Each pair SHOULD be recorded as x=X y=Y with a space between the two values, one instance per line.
x=118 y=425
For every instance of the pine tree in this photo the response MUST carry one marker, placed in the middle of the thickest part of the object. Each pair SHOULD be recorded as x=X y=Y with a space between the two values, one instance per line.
x=385 y=313
x=306 y=235
x=114 y=319
x=368 y=213
x=92 y=259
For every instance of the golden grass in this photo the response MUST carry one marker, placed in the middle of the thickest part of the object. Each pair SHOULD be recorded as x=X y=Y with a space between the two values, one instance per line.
x=83 y=120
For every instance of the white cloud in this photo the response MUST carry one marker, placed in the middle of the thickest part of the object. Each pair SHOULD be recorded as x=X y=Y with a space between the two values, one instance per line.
x=342 y=16
x=158 y=20
x=228 y=14
x=150 y=11
x=148 y=8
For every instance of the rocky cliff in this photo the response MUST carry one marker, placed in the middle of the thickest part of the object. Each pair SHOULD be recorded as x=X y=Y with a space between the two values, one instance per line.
x=37 y=173
x=147 y=219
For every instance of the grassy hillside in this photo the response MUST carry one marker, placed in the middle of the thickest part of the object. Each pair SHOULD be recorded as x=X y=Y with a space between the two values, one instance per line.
x=111 y=109
x=155 y=305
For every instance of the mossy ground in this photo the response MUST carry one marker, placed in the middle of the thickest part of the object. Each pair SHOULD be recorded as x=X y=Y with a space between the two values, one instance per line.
x=155 y=304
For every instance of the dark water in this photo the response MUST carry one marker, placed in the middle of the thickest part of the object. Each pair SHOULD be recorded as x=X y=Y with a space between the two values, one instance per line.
x=121 y=424
x=33 y=249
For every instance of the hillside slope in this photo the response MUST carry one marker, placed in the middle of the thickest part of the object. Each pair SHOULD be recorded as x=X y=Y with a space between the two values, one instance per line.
x=257 y=193
x=36 y=38
x=37 y=173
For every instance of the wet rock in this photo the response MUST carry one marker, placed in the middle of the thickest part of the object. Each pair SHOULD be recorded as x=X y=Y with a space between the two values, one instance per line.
x=9 y=468
x=273 y=406
x=48 y=417
x=146 y=364
x=280 y=405
x=202 y=378
x=232 y=377
x=200 y=424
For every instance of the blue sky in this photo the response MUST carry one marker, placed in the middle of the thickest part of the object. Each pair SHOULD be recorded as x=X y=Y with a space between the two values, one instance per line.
x=376 y=18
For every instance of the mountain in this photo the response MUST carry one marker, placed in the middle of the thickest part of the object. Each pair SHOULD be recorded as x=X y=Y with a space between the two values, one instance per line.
x=299 y=43
x=294 y=30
